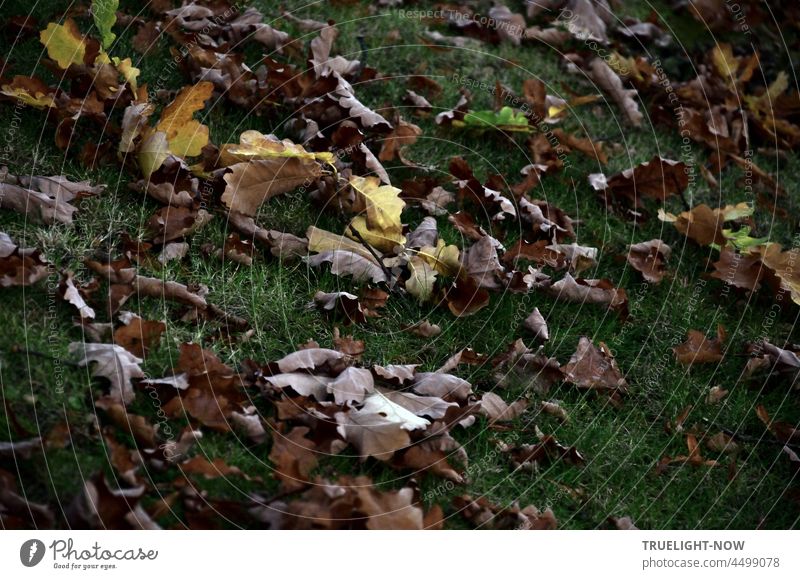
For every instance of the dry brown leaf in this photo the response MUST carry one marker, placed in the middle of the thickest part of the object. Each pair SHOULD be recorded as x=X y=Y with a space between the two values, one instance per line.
x=594 y=368
x=536 y=324
x=250 y=184
x=697 y=349
x=650 y=258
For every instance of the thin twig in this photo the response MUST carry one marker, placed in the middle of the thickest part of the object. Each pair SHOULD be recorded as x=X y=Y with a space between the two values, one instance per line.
x=373 y=253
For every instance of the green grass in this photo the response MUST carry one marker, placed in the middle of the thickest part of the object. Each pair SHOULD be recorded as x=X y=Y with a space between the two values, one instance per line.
x=621 y=446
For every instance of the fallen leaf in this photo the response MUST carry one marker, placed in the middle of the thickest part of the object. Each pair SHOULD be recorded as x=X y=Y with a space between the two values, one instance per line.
x=594 y=368
x=650 y=258
x=497 y=410
x=610 y=82
x=64 y=43
x=250 y=184
x=380 y=427
x=700 y=350
x=186 y=137
x=537 y=325
x=20 y=267
x=294 y=456
x=114 y=363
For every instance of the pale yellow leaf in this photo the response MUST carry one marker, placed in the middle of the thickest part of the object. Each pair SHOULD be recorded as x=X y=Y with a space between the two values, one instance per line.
x=383 y=203
x=443 y=258
x=423 y=276
x=153 y=151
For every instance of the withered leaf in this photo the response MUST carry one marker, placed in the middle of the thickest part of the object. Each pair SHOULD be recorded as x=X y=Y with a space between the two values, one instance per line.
x=251 y=183
x=650 y=258
x=20 y=267
x=536 y=324
x=294 y=456
x=697 y=349
x=593 y=367
x=498 y=410
x=380 y=427
x=115 y=363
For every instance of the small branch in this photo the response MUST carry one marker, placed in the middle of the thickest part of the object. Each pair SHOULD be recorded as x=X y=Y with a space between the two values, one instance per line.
x=374 y=254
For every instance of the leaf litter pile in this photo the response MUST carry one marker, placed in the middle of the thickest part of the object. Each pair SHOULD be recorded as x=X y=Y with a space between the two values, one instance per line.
x=508 y=295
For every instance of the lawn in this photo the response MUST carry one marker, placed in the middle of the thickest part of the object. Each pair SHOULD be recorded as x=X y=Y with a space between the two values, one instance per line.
x=621 y=441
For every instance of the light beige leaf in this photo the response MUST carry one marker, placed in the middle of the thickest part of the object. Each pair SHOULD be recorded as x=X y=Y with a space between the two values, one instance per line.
x=114 y=363
x=442 y=386
x=498 y=410
x=352 y=385
x=537 y=325
x=352 y=264
x=430 y=406
x=379 y=428
x=308 y=359
x=610 y=82
x=73 y=296
x=302 y=383
x=423 y=276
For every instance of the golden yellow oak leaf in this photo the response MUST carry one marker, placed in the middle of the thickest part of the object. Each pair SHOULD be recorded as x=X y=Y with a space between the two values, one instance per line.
x=64 y=43
x=255 y=145
x=383 y=204
x=384 y=241
x=186 y=136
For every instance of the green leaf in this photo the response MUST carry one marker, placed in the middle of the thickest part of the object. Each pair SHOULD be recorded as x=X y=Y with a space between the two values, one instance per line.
x=505 y=119
x=104 y=13
x=741 y=239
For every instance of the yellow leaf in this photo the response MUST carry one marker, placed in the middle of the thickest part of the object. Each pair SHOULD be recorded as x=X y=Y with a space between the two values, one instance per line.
x=64 y=43
x=443 y=258
x=725 y=62
x=186 y=136
x=384 y=241
x=255 y=145
x=129 y=72
x=420 y=284
x=383 y=203
x=321 y=241
x=153 y=151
